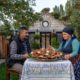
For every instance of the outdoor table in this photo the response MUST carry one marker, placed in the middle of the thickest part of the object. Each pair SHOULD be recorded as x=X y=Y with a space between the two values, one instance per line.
x=50 y=70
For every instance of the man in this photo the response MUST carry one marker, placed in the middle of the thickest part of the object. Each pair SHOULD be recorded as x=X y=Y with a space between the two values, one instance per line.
x=19 y=49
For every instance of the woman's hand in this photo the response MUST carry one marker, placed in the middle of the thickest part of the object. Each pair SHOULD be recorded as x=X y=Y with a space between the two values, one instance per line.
x=50 y=47
x=67 y=56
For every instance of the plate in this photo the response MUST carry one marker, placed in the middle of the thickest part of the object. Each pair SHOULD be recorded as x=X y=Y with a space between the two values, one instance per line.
x=46 y=59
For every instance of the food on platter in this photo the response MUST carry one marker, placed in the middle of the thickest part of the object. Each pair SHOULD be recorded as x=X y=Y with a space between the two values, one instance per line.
x=46 y=54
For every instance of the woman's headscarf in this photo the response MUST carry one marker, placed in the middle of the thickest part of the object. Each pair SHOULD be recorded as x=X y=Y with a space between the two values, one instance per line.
x=68 y=30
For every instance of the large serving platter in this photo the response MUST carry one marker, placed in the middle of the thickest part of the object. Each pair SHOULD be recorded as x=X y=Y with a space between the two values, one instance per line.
x=46 y=55
x=40 y=59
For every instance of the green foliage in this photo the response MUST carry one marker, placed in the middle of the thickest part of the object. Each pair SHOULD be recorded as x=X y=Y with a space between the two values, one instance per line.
x=36 y=36
x=75 y=18
x=35 y=45
x=61 y=11
x=5 y=30
x=56 y=9
x=3 y=73
x=54 y=42
x=37 y=16
x=73 y=12
x=68 y=8
x=16 y=13
x=56 y=13
x=18 y=9
x=76 y=4
x=75 y=21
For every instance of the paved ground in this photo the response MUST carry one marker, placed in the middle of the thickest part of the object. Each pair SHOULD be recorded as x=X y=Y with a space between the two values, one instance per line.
x=2 y=61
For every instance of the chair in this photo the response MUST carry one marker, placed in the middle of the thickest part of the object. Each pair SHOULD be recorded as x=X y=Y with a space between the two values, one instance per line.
x=8 y=70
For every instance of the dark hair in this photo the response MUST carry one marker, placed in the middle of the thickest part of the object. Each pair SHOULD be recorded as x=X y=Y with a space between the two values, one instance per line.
x=23 y=28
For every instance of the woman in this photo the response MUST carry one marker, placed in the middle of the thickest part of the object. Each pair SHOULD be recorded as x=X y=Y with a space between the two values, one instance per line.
x=70 y=47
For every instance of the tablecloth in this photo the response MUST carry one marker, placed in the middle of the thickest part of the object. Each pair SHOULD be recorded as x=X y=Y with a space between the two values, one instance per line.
x=50 y=70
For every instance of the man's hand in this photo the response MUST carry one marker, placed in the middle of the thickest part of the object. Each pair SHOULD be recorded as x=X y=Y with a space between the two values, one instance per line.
x=25 y=55
x=67 y=56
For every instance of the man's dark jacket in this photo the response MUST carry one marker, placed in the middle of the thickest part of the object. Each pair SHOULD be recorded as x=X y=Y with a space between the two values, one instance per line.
x=20 y=50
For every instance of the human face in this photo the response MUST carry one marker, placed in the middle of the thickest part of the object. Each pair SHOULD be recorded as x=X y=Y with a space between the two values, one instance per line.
x=66 y=36
x=24 y=34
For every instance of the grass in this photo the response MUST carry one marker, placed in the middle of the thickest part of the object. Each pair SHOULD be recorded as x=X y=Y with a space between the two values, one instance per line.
x=3 y=73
